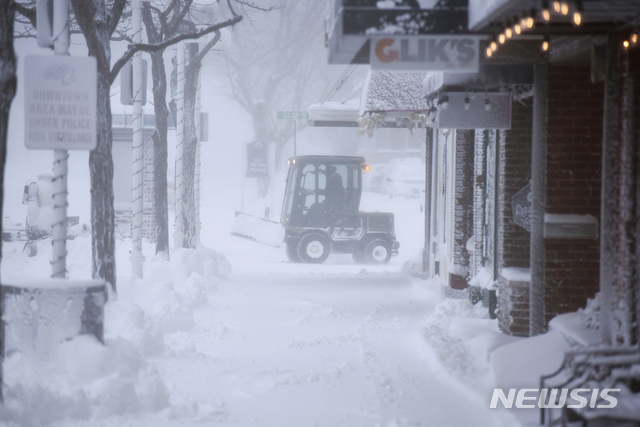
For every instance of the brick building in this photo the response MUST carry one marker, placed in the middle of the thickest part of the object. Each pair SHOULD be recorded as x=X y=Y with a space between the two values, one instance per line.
x=572 y=146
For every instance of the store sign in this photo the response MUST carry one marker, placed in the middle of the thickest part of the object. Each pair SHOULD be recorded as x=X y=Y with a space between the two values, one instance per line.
x=521 y=207
x=452 y=53
x=60 y=102
x=257 y=160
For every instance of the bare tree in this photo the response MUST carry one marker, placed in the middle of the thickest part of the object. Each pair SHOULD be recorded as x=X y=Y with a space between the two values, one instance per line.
x=98 y=20
x=275 y=63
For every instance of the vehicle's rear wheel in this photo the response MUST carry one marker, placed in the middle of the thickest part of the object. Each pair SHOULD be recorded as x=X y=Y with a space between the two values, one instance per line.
x=378 y=251
x=314 y=248
x=292 y=251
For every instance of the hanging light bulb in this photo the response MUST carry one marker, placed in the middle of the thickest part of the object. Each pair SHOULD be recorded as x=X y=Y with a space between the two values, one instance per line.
x=502 y=38
x=530 y=20
x=487 y=105
x=577 y=14
x=517 y=28
x=556 y=6
x=564 y=8
x=493 y=45
x=523 y=22
x=508 y=32
x=489 y=52
x=634 y=38
x=625 y=44
x=545 y=44
x=546 y=13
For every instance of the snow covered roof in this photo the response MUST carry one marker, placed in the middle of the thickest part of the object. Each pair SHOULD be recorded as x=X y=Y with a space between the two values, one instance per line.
x=389 y=91
x=335 y=111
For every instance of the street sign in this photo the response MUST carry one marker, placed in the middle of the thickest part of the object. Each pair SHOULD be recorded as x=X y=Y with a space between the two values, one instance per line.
x=60 y=102
x=300 y=115
x=126 y=83
x=452 y=53
x=257 y=159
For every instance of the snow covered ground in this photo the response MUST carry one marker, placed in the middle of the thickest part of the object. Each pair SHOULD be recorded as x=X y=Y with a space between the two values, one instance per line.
x=249 y=339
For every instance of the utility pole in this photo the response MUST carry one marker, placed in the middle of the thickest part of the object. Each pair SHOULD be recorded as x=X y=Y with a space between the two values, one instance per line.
x=137 y=259
x=196 y=178
x=178 y=236
x=59 y=223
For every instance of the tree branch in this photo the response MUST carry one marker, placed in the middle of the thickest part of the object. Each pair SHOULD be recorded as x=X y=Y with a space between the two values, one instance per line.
x=116 y=13
x=29 y=13
x=145 y=47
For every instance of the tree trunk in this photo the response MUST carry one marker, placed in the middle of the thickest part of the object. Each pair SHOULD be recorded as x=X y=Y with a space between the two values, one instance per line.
x=160 y=154
x=94 y=21
x=102 y=209
x=8 y=83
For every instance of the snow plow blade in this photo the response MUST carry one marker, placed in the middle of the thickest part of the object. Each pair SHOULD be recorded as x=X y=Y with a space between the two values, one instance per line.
x=260 y=230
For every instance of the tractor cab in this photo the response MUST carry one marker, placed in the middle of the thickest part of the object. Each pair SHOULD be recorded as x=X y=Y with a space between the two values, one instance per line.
x=321 y=189
x=321 y=215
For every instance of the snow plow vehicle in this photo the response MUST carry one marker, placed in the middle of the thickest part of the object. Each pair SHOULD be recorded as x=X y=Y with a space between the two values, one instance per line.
x=320 y=213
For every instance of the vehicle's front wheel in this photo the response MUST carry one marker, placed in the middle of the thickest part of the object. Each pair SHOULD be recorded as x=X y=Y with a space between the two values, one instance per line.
x=292 y=252
x=314 y=248
x=378 y=251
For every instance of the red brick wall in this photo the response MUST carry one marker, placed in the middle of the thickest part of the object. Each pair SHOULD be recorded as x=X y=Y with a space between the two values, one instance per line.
x=463 y=209
x=574 y=152
x=514 y=174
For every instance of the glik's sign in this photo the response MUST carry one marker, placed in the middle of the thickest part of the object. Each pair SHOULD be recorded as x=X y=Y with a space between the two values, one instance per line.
x=452 y=53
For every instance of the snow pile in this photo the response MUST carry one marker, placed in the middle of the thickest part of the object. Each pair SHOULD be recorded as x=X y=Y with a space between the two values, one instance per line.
x=457 y=330
x=484 y=279
x=591 y=313
x=85 y=380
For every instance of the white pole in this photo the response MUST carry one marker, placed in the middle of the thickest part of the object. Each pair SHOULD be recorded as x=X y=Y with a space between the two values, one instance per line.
x=59 y=223
x=178 y=235
x=196 y=184
x=137 y=259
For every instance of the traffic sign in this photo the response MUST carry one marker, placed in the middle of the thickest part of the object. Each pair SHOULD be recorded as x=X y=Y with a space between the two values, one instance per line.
x=300 y=115
x=60 y=102
x=257 y=160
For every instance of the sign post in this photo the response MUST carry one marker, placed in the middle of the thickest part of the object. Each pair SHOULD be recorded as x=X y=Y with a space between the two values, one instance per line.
x=294 y=115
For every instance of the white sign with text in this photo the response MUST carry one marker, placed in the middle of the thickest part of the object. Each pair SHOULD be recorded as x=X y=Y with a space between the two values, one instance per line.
x=453 y=53
x=60 y=102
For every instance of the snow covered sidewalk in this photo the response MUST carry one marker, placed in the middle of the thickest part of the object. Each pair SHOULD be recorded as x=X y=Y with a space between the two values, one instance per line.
x=273 y=344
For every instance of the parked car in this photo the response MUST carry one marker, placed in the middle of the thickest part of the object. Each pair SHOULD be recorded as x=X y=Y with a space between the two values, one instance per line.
x=404 y=177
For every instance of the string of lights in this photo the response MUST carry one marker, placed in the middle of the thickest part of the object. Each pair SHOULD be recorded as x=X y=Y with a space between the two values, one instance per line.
x=549 y=12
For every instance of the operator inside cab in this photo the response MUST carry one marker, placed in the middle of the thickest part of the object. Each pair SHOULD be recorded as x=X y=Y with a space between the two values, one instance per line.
x=335 y=192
